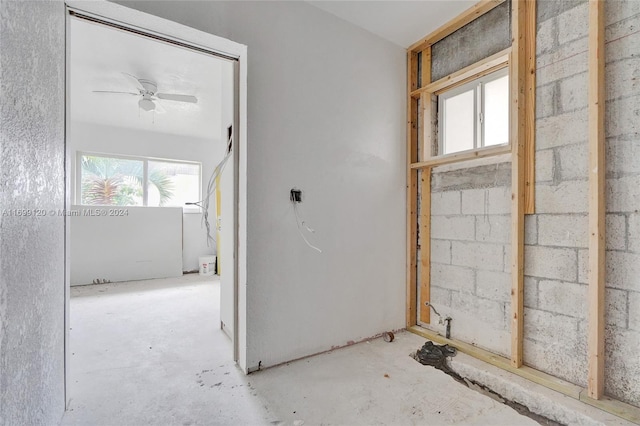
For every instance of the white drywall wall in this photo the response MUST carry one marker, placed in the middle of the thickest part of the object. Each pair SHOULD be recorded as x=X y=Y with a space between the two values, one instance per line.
x=326 y=114
x=227 y=220
x=94 y=138
x=125 y=243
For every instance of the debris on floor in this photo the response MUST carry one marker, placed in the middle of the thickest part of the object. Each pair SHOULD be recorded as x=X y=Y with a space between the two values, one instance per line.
x=388 y=336
x=436 y=356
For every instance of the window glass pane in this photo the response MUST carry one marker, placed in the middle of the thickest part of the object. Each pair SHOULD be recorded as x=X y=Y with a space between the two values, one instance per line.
x=173 y=184
x=111 y=181
x=496 y=111
x=459 y=122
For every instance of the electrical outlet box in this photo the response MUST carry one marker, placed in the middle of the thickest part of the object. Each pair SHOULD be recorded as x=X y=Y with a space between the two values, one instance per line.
x=296 y=196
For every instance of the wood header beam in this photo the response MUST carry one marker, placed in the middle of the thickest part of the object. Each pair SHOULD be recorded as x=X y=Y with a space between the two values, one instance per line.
x=487 y=65
x=455 y=24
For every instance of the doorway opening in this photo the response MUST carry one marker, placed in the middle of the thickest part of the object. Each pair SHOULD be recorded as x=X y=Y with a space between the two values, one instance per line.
x=155 y=181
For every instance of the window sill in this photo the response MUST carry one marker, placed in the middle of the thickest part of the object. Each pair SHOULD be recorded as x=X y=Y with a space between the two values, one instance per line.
x=463 y=156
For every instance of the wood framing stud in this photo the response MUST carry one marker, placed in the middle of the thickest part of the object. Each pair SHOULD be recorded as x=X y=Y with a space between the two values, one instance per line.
x=530 y=108
x=425 y=245
x=597 y=172
x=517 y=117
x=412 y=190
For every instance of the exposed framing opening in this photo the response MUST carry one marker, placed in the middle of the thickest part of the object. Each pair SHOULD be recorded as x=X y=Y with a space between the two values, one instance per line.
x=521 y=58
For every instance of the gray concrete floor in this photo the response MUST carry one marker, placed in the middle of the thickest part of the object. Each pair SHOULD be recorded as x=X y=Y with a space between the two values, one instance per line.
x=151 y=353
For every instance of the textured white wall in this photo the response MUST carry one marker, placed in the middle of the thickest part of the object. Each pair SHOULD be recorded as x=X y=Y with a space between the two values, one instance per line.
x=326 y=114
x=31 y=177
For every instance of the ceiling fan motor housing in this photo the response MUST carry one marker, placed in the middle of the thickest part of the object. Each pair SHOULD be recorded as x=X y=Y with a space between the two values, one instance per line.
x=150 y=87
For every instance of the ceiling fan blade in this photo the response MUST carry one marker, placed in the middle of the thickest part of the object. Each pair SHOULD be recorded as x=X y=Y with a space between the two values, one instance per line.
x=135 y=80
x=113 y=91
x=176 y=97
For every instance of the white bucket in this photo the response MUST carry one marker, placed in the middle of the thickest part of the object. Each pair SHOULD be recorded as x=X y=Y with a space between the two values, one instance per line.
x=207 y=265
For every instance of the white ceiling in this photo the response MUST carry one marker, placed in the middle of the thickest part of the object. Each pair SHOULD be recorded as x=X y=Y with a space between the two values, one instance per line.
x=99 y=56
x=400 y=22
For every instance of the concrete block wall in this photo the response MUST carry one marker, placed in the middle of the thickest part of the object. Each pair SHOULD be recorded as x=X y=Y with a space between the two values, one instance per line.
x=471 y=212
x=622 y=342
x=556 y=312
x=470 y=234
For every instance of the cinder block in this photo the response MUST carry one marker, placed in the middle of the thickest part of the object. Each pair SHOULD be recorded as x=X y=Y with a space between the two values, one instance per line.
x=616 y=232
x=473 y=201
x=573 y=92
x=573 y=161
x=623 y=194
x=484 y=256
x=623 y=116
x=550 y=262
x=622 y=155
x=560 y=359
x=634 y=310
x=494 y=285
x=565 y=61
x=566 y=197
x=547 y=99
x=563 y=230
x=440 y=297
x=622 y=364
x=616 y=307
x=621 y=77
x=550 y=328
x=547 y=9
x=499 y=200
x=583 y=266
x=453 y=278
x=563 y=129
x=488 y=312
x=621 y=10
x=625 y=47
x=573 y=24
x=634 y=232
x=623 y=270
x=545 y=164
x=445 y=203
x=531 y=229
x=546 y=37
x=563 y=298
x=530 y=292
x=493 y=228
x=440 y=251
x=507 y=258
x=453 y=227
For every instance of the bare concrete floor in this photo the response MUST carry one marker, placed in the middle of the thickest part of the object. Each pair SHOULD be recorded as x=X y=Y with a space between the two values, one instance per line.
x=151 y=353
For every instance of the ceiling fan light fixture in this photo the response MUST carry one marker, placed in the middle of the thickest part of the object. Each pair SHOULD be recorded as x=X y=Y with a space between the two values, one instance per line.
x=146 y=104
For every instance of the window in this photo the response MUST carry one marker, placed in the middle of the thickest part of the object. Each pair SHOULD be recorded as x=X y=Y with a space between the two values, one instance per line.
x=475 y=114
x=131 y=181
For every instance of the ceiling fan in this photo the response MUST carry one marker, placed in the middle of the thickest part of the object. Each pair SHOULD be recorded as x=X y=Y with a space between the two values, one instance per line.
x=148 y=92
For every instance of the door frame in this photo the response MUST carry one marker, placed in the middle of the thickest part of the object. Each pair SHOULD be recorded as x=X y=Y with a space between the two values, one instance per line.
x=160 y=28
